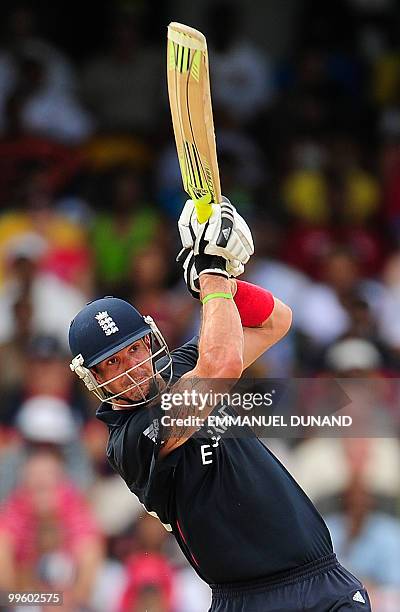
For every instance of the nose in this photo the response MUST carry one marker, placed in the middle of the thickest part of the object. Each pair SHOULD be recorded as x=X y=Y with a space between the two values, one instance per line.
x=130 y=360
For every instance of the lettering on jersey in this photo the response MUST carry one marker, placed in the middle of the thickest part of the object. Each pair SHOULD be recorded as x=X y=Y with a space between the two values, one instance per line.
x=216 y=440
x=218 y=430
x=106 y=323
x=206 y=455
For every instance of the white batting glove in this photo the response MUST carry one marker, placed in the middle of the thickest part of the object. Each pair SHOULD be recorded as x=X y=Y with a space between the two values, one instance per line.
x=225 y=234
x=234 y=268
x=193 y=266
x=190 y=275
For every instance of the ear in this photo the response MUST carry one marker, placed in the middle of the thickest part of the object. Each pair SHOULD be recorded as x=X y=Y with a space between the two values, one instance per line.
x=147 y=341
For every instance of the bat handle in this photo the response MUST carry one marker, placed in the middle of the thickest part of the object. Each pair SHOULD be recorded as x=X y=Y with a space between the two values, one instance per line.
x=203 y=208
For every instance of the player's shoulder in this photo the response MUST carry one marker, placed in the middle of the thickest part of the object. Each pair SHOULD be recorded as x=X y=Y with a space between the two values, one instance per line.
x=131 y=445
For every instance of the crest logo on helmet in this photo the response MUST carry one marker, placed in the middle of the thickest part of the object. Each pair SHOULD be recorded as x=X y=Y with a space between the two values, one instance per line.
x=106 y=323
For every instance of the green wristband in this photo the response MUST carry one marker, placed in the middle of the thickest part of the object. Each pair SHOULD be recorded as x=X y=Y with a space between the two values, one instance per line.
x=211 y=296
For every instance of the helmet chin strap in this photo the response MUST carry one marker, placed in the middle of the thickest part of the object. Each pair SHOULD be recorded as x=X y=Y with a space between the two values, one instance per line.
x=123 y=398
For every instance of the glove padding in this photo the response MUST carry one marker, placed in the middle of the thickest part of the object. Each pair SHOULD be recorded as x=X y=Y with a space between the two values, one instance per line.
x=225 y=234
x=194 y=265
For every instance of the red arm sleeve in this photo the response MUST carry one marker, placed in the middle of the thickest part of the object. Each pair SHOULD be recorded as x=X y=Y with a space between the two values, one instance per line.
x=254 y=304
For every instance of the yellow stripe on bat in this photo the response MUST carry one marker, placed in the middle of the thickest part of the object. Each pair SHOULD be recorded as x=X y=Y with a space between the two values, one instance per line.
x=195 y=186
x=195 y=69
x=179 y=57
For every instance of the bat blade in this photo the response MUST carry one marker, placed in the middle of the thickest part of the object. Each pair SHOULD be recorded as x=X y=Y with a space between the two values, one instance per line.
x=192 y=118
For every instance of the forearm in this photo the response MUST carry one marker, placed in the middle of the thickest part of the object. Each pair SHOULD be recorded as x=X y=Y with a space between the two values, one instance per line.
x=219 y=365
x=221 y=339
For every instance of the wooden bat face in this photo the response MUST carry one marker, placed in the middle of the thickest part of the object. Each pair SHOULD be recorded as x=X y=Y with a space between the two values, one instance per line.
x=192 y=119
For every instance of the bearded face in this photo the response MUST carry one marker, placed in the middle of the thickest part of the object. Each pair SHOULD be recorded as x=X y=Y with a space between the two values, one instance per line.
x=128 y=373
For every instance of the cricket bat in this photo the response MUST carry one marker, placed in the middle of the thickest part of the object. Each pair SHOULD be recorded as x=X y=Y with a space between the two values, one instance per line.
x=192 y=118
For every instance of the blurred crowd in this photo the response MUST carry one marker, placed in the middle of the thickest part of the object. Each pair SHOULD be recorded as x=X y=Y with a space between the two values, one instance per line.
x=90 y=192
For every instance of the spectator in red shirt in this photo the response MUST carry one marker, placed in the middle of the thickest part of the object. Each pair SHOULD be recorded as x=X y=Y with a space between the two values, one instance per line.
x=48 y=536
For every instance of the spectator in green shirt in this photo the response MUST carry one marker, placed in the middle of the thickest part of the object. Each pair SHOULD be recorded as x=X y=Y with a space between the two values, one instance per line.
x=124 y=227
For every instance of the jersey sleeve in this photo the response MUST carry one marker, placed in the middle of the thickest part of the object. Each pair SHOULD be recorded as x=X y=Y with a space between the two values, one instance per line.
x=185 y=357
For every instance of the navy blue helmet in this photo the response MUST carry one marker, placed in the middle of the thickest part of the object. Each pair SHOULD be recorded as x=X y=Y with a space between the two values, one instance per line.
x=101 y=329
x=104 y=327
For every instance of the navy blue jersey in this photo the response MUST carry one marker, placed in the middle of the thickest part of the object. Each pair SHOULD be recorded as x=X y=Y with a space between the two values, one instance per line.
x=234 y=509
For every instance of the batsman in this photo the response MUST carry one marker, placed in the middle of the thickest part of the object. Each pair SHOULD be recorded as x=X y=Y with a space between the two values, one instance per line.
x=241 y=520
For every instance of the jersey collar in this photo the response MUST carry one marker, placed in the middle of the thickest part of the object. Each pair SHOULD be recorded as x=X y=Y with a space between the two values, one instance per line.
x=113 y=418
